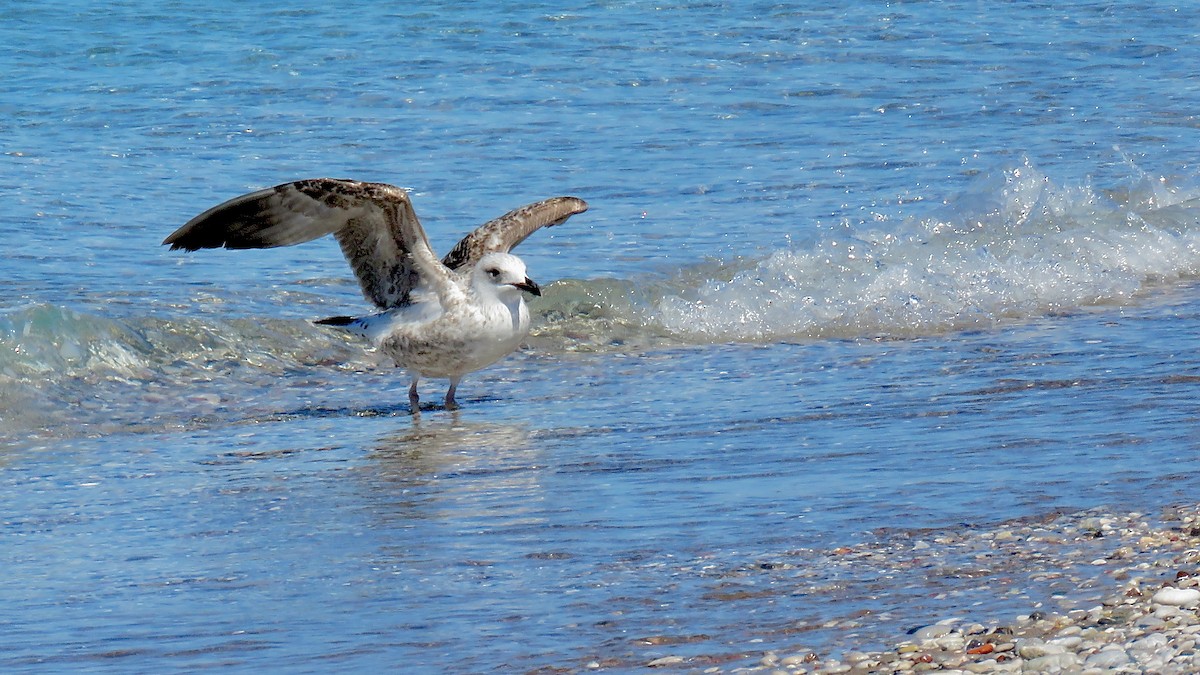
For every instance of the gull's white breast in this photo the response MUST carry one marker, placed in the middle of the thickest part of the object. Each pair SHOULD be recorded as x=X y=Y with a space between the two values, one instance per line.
x=461 y=339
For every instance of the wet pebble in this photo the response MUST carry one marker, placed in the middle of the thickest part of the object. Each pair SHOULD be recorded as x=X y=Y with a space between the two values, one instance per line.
x=1178 y=597
x=1148 y=622
x=1052 y=663
x=931 y=632
x=1111 y=656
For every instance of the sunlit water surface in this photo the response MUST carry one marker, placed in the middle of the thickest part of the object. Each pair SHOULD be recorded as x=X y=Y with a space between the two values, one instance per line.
x=848 y=273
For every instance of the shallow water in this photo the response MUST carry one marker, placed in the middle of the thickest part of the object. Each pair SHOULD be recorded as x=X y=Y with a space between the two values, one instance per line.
x=847 y=274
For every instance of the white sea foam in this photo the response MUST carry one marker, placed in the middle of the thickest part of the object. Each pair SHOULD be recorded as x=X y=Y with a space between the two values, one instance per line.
x=1014 y=244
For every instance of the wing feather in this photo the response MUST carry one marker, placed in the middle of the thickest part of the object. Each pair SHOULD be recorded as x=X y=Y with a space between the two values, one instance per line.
x=374 y=223
x=502 y=234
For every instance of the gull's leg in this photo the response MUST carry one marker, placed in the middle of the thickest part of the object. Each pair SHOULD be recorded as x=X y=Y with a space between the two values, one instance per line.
x=450 y=404
x=413 y=399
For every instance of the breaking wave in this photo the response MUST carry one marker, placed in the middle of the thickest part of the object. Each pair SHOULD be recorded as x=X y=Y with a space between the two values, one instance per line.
x=1013 y=245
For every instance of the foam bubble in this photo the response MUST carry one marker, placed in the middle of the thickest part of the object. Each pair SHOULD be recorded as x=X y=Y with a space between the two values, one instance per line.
x=1014 y=244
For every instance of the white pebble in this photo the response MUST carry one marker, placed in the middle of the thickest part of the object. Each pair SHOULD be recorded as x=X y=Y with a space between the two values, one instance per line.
x=1154 y=664
x=1150 y=621
x=1033 y=648
x=1111 y=656
x=951 y=643
x=1179 y=597
x=1149 y=644
x=1068 y=642
x=1167 y=612
x=1052 y=663
x=932 y=632
x=794 y=660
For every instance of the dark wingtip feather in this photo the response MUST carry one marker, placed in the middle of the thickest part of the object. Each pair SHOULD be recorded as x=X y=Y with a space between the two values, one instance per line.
x=176 y=240
x=194 y=236
x=181 y=244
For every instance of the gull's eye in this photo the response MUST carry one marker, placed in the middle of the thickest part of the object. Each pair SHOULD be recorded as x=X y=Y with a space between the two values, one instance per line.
x=493 y=272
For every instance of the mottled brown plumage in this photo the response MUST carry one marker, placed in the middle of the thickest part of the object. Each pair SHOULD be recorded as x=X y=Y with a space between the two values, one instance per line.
x=374 y=224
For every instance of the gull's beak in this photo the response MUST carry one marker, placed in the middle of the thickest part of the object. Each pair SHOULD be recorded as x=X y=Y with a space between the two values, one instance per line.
x=529 y=286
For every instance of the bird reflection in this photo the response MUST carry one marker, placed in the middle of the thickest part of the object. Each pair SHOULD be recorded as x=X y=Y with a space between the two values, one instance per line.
x=450 y=439
x=467 y=470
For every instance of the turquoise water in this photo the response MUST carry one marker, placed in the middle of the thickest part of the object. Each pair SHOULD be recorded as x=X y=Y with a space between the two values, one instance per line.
x=847 y=273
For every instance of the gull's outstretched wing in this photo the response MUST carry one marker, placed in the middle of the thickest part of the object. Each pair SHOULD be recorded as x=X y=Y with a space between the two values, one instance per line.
x=503 y=233
x=373 y=222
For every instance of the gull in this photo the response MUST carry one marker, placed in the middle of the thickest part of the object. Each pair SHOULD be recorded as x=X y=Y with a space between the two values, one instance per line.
x=440 y=319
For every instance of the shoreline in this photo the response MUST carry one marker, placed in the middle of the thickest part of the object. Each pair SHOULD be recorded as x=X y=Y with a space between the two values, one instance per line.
x=1147 y=572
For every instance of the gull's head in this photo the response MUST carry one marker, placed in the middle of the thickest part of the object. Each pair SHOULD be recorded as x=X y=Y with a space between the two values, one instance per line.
x=502 y=273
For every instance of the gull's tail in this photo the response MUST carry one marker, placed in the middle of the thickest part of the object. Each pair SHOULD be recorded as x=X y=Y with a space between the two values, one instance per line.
x=373 y=327
x=359 y=325
x=341 y=321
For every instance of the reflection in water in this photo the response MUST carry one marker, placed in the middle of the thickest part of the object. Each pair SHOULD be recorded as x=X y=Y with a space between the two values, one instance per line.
x=485 y=471
x=426 y=446
x=460 y=529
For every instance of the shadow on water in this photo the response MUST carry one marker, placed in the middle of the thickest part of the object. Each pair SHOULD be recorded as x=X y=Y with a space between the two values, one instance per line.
x=324 y=412
x=397 y=409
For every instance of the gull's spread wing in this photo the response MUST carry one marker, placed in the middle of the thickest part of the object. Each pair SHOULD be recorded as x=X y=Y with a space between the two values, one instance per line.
x=503 y=233
x=373 y=222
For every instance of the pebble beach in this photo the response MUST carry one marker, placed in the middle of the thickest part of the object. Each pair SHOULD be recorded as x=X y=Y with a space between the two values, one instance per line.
x=1126 y=601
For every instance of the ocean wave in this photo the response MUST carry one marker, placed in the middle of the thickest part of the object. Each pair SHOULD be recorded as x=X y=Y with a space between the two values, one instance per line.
x=43 y=340
x=66 y=372
x=1014 y=244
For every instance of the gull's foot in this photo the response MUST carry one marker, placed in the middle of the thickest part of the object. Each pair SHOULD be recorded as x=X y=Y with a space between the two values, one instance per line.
x=414 y=401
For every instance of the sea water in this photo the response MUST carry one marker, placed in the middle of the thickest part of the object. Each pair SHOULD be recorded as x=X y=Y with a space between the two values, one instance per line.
x=849 y=272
